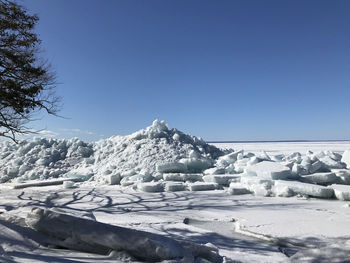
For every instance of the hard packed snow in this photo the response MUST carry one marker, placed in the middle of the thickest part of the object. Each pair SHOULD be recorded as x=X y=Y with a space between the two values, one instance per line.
x=242 y=228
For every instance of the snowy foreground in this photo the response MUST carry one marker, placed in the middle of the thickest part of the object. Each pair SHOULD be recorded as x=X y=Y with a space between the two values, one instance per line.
x=244 y=228
x=159 y=195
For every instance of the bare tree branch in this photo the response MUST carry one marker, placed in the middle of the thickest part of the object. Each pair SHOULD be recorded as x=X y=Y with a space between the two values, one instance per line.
x=27 y=83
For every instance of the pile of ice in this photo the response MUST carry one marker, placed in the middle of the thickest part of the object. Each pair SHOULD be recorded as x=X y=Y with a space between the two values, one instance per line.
x=41 y=158
x=148 y=153
x=141 y=156
x=324 y=175
x=160 y=159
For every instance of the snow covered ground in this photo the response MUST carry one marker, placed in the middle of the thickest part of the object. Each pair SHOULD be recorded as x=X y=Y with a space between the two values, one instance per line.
x=269 y=228
x=266 y=203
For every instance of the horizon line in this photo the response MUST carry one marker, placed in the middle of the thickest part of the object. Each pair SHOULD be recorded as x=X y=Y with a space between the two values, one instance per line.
x=253 y=141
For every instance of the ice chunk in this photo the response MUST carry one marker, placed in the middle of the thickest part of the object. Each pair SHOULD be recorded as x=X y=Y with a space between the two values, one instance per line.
x=237 y=189
x=296 y=169
x=342 y=192
x=200 y=186
x=295 y=156
x=278 y=157
x=319 y=155
x=193 y=177
x=321 y=178
x=329 y=163
x=214 y=170
x=92 y=236
x=346 y=158
x=82 y=177
x=253 y=180
x=222 y=179
x=151 y=187
x=306 y=163
x=176 y=137
x=196 y=165
x=68 y=184
x=129 y=180
x=12 y=171
x=260 y=190
x=307 y=189
x=83 y=173
x=343 y=175
x=113 y=179
x=263 y=156
x=171 y=167
x=241 y=164
x=260 y=187
x=253 y=160
x=225 y=160
x=314 y=167
x=179 y=177
x=335 y=156
x=36 y=183
x=174 y=186
x=270 y=170
x=282 y=191
x=173 y=177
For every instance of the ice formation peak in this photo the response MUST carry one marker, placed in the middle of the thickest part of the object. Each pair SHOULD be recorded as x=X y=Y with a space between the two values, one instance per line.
x=158 y=129
x=158 y=126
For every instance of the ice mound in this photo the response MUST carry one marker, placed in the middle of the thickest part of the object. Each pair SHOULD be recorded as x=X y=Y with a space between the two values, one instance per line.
x=41 y=158
x=158 y=159
x=139 y=157
x=153 y=150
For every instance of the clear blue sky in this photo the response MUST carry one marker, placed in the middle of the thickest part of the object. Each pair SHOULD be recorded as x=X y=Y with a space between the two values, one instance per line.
x=222 y=70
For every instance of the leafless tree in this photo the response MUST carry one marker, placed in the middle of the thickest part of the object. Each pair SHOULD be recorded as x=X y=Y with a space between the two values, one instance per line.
x=27 y=83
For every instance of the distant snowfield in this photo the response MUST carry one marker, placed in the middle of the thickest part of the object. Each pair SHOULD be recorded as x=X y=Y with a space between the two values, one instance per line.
x=274 y=148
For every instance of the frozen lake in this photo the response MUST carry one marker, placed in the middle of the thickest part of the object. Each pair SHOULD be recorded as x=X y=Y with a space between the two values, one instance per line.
x=274 y=148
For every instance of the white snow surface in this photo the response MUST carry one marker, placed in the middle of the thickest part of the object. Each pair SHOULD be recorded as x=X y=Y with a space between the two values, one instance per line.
x=267 y=224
